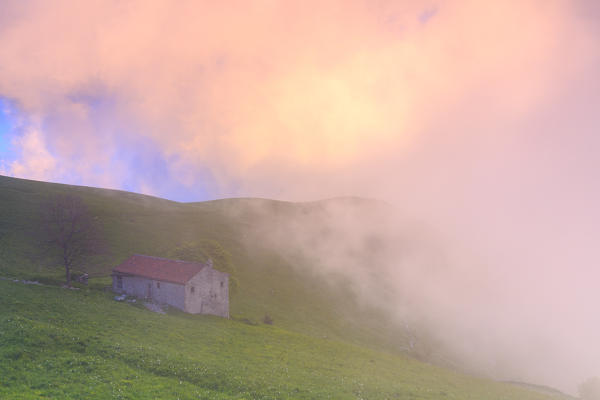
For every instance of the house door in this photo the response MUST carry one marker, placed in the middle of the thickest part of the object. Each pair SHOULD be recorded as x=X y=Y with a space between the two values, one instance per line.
x=149 y=291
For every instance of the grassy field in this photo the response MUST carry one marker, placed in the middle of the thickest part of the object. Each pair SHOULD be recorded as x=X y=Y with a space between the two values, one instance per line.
x=268 y=283
x=76 y=344
x=61 y=343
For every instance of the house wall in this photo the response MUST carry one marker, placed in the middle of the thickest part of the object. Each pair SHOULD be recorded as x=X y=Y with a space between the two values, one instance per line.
x=210 y=294
x=161 y=292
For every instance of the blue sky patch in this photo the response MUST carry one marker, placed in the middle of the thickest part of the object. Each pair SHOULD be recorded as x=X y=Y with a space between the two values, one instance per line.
x=144 y=163
x=6 y=126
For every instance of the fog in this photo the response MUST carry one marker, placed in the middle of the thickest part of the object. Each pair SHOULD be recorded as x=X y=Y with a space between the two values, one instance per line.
x=477 y=123
x=504 y=307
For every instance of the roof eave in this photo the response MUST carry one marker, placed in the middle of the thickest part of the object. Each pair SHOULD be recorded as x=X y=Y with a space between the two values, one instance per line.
x=149 y=277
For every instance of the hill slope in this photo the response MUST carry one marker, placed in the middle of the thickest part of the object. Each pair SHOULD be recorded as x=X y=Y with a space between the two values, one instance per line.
x=324 y=343
x=59 y=343
x=269 y=282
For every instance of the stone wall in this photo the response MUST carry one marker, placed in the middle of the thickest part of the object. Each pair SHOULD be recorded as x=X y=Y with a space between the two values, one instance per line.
x=161 y=292
x=208 y=293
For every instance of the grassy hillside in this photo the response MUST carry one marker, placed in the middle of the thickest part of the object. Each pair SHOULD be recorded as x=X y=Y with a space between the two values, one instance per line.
x=268 y=283
x=58 y=343
x=72 y=344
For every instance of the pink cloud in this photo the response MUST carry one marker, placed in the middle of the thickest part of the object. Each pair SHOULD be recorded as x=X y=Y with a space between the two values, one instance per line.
x=35 y=162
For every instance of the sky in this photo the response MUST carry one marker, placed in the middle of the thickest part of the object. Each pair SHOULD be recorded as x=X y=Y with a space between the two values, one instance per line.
x=479 y=118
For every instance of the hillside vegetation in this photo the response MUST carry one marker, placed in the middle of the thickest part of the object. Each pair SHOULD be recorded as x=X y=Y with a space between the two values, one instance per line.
x=267 y=282
x=71 y=344
x=60 y=343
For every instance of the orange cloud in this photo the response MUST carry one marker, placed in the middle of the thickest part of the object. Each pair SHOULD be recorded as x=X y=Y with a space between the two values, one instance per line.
x=234 y=86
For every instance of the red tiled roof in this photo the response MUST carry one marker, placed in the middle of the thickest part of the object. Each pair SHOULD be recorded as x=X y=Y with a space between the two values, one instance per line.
x=160 y=269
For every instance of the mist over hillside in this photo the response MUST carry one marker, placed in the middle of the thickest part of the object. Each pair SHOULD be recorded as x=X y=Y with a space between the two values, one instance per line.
x=282 y=281
x=346 y=268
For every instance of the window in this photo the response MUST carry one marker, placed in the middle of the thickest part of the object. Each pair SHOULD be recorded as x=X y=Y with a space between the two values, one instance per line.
x=158 y=285
x=192 y=289
x=221 y=283
x=119 y=282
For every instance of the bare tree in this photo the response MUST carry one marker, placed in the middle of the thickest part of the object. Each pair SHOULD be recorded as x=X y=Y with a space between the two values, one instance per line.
x=70 y=234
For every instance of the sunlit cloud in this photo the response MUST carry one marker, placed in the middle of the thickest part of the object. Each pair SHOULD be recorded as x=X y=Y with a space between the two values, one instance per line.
x=232 y=88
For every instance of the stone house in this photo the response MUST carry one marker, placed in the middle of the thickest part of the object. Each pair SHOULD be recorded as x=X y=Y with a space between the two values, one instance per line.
x=192 y=287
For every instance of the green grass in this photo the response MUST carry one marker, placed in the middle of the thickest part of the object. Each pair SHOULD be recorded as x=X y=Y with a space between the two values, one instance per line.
x=132 y=223
x=58 y=343
x=76 y=344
